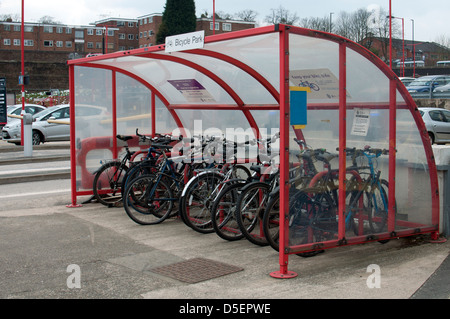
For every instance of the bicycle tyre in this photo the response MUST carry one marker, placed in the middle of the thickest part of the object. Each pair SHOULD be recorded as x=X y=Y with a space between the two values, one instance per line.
x=107 y=185
x=250 y=211
x=378 y=217
x=143 y=208
x=223 y=213
x=197 y=199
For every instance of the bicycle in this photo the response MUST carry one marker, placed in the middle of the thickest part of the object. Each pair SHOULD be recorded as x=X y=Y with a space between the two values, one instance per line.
x=108 y=180
x=202 y=189
x=149 y=199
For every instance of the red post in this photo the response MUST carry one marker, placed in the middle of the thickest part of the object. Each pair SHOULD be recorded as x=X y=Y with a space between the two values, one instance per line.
x=284 y=156
x=392 y=153
x=73 y=154
x=22 y=71
x=114 y=114
x=342 y=136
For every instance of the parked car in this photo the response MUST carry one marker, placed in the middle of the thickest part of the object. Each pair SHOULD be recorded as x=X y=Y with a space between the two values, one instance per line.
x=52 y=124
x=444 y=88
x=437 y=122
x=17 y=109
x=406 y=80
x=424 y=83
x=43 y=131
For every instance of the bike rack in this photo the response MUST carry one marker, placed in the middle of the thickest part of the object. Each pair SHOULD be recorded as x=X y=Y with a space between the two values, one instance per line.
x=250 y=72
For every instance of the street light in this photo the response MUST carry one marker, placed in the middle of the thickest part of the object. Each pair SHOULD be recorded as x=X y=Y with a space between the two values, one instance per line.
x=23 y=69
x=403 y=41
x=331 y=27
x=214 y=16
x=414 y=50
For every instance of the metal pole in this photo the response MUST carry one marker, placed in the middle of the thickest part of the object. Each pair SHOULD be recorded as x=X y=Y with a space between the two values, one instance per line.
x=390 y=34
x=342 y=136
x=214 y=16
x=22 y=71
x=403 y=44
x=414 y=49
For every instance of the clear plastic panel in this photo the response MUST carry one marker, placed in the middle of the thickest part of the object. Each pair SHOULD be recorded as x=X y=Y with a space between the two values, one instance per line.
x=133 y=106
x=93 y=120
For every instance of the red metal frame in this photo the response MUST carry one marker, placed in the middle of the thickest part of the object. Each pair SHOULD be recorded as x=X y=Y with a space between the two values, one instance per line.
x=282 y=98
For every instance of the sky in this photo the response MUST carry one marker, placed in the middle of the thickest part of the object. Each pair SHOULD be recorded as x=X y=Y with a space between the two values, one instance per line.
x=431 y=19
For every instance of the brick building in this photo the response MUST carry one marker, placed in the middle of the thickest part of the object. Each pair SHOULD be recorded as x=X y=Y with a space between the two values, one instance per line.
x=49 y=45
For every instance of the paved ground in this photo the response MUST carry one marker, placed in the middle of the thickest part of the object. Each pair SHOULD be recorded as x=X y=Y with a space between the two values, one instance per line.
x=48 y=250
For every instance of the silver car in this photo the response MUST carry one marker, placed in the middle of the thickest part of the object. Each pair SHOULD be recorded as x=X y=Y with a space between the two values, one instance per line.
x=43 y=131
x=437 y=122
x=17 y=110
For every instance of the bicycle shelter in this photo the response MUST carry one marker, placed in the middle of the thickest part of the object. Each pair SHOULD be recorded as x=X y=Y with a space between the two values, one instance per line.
x=241 y=82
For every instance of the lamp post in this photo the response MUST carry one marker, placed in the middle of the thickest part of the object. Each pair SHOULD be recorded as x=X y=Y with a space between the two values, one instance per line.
x=22 y=71
x=214 y=16
x=331 y=25
x=414 y=50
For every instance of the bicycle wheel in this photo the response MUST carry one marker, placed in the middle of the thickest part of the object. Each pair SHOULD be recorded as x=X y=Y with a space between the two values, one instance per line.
x=250 y=209
x=148 y=200
x=312 y=219
x=197 y=199
x=378 y=207
x=108 y=181
x=241 y=172
x=137 y=169
x=271 y=221
x=223 y=213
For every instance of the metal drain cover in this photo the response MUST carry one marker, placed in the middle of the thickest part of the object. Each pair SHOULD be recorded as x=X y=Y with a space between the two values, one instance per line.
x=196 y=270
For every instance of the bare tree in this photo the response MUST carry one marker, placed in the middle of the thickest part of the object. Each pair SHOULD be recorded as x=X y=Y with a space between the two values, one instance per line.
x=49 y=20
x=321 y=24
x=247 y=15
x=281 y=15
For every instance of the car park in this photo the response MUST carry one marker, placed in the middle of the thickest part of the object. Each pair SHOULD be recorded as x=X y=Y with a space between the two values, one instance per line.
x=425 y=83
x=437 y=122
x=406 y=80
x=16 y=110
x=52 y=124
x=444 y=88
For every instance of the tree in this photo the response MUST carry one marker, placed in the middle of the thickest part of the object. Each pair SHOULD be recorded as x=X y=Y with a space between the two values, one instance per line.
x=178 y=17
x=281 y=15
x=247 y=15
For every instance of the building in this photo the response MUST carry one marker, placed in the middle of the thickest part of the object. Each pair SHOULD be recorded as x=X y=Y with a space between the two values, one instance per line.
x=48 y=46
x=429 y=52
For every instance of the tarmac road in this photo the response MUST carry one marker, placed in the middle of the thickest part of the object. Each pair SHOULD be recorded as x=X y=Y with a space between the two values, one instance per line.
x=48 y=250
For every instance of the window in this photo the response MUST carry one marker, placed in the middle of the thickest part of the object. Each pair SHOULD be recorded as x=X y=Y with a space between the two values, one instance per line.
x=226 y=26
x=68 y=44
x=6 y=41
x=59 y=29
x=16 y=27
x=211 y=26
x=68 y=30
x=121 y=36
x=120 y=23
x=98 y=45
x=16 y=41
x=140 y=34
x=28 y=28
x=7 y=27
x=59 y=44
x=48 y=43
x=90 y=45
x=121 y=48
x=437 y=116
x=130 y=37
x=145 y=34
x=110 y=33
x=48 y=29
x=90 y=31
x=28 y=43
x=150 y=19
x=79 y=34
x=131 y=24
x=99 y=32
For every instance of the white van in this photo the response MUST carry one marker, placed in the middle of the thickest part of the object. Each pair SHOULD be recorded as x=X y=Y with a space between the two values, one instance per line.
x=443 y=63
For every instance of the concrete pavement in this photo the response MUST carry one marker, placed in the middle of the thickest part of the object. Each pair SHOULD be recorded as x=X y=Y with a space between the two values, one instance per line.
x=48 y=250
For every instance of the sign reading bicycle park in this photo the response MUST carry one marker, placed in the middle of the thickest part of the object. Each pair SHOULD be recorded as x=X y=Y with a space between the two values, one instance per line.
x=185 y=41
x=322 y=82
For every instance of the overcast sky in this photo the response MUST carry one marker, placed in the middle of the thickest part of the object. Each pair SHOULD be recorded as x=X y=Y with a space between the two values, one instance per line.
x=431 y=18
